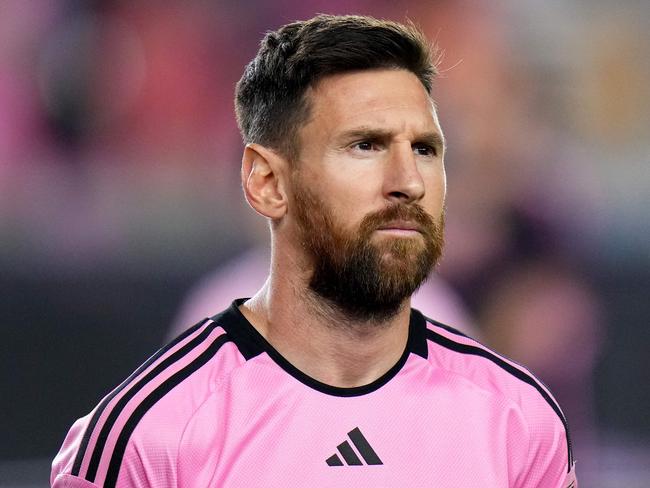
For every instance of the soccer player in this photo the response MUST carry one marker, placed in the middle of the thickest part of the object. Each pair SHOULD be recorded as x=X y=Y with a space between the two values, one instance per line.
x=327 y=377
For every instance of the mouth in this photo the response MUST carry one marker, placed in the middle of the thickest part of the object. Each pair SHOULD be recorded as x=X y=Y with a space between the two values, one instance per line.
x=401 y=227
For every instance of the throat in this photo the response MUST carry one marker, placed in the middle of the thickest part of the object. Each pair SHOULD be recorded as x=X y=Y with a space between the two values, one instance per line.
x=329 y=347
x=353 y=364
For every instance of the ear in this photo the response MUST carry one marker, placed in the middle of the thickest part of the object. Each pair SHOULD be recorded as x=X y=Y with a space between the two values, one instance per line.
x=262 y=176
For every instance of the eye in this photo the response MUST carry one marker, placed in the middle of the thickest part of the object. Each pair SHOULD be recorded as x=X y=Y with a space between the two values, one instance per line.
x=425 y=150
x=365 y=146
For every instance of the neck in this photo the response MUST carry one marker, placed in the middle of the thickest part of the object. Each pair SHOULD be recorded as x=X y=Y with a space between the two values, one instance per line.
x=317 y=337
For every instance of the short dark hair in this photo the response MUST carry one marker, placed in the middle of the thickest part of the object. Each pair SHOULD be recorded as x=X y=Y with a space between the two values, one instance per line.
x=270 y=99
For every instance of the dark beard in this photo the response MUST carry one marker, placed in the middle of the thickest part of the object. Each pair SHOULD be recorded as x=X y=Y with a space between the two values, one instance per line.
x=365 y=280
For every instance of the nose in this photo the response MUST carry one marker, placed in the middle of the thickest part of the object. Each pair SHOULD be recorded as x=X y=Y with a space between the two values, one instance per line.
x=403 y=182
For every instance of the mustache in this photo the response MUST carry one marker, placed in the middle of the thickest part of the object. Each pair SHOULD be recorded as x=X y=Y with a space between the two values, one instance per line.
x=412 y=213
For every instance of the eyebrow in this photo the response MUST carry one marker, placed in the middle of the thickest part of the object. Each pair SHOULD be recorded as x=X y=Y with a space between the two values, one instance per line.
x=431 y=138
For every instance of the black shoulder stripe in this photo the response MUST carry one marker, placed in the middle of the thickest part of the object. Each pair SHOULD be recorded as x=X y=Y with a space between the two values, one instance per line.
x=446 y=327
x=517 y=373
x=147 y=403
x=102 y=406
x=132 y=391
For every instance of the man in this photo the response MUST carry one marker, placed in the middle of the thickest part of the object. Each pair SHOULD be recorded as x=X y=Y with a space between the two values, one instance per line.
x=327 y=377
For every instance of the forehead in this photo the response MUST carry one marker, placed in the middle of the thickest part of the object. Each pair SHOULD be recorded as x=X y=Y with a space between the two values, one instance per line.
x=388 y=97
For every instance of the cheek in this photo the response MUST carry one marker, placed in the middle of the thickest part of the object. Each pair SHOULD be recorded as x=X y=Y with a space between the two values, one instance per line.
x=436 y=191
x=351 y=192
x=345 y=208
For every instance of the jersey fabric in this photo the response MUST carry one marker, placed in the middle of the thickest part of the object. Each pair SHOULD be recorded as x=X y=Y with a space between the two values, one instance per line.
x=220 y=407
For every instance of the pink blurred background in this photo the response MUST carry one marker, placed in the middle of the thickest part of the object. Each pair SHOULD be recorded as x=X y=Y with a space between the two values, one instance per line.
x=120 y=203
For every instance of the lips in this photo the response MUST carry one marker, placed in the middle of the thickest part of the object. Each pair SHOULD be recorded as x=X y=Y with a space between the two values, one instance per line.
x=401 y=225
x=399 y=219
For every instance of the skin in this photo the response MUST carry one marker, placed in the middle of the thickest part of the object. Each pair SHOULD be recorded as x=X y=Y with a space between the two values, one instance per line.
x=373 y=139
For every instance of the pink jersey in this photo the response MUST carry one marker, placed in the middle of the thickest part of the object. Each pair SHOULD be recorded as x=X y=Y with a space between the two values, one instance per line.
x=219 y=407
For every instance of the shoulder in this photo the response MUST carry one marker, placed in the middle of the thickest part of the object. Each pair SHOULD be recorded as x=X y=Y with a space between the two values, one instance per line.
x=457 y=352
x=495 y=374
x=135 y=430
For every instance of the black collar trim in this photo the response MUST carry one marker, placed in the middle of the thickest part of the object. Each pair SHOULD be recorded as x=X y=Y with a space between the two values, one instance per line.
x=251 y=343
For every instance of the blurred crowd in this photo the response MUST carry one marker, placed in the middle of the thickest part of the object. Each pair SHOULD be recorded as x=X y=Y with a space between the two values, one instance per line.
x=119 y=152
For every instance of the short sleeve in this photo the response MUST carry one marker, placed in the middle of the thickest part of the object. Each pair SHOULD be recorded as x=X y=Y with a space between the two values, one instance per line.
x=547 y=463
x=68 y=481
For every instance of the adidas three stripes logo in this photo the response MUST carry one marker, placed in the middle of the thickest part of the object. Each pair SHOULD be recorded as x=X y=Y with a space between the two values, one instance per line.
x=350 y=457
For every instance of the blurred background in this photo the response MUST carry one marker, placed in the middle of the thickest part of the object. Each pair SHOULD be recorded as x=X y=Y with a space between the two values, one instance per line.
x=122 y=219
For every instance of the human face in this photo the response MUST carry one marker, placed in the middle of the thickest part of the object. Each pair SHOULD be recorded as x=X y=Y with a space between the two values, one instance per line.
x=369 y=189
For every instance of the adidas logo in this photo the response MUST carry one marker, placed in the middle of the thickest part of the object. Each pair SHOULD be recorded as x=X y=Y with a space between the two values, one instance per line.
x=351 y=457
